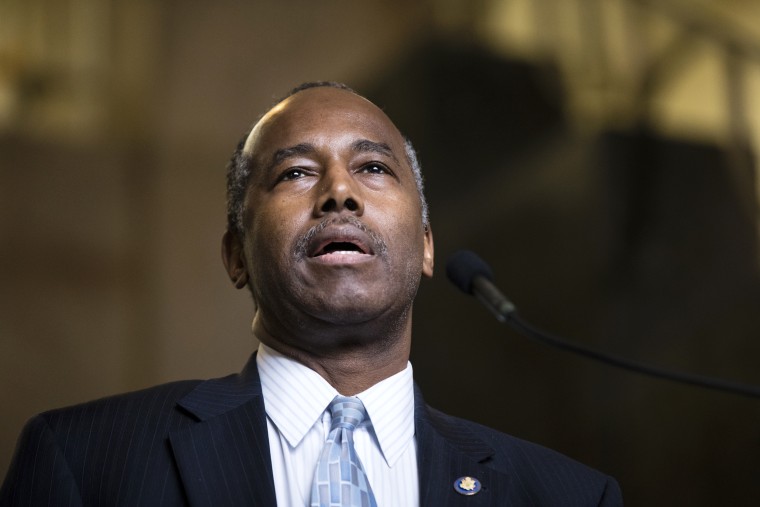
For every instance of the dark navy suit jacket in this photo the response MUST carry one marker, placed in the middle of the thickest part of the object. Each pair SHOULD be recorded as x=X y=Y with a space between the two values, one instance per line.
x=205 y=443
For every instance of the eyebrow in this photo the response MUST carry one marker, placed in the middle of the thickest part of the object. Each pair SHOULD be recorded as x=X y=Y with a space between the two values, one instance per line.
x=365 y=145
x=360 y=146
x=292 y=151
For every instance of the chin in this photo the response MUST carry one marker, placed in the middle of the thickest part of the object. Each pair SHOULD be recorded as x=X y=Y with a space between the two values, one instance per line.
x=348 y=314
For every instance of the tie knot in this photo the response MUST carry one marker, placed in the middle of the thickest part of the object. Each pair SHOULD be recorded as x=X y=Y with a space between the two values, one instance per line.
x=346 y=413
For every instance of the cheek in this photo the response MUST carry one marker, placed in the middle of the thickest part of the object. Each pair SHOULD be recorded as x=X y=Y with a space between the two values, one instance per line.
x=406 y=213
x=275 y=222
x=406 y=233
x=269 y=252
x=271 y=239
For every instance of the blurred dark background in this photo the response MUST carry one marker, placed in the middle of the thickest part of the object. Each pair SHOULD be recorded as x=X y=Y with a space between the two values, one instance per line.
x=600 y=154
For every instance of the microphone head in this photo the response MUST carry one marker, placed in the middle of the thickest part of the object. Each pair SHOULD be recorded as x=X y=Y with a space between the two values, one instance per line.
x=464 y=266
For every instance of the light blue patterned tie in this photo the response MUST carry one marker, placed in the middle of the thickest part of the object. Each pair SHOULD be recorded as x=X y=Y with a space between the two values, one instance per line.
x=339 y=480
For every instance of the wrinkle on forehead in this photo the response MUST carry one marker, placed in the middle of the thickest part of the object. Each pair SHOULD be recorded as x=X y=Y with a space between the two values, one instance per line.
x=328 y=97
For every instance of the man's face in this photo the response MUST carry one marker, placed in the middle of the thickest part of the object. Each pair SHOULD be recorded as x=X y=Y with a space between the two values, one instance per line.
x=332 y=221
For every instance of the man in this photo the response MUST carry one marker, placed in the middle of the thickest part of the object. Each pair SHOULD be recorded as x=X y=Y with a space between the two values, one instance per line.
x=328 y=228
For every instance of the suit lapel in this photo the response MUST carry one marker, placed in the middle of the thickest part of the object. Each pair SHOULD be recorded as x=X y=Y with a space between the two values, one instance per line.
x=447 y=451
x=223 y=458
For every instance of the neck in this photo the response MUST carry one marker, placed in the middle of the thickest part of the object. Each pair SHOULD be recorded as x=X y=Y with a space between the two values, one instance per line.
x=351 y=360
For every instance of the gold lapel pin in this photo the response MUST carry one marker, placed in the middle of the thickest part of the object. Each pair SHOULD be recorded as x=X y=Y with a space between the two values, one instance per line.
x=467 y=485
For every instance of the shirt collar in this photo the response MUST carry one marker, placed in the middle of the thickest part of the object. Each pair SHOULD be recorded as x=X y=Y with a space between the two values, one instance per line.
x=390 y=406
x=295 y=397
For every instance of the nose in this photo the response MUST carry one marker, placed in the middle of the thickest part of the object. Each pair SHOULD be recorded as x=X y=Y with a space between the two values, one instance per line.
x=339 y=191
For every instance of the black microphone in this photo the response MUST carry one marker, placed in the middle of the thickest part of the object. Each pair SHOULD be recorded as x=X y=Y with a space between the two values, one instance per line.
x=473 y=276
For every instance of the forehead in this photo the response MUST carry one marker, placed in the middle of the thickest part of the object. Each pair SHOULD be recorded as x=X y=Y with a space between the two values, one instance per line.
x=321 y=115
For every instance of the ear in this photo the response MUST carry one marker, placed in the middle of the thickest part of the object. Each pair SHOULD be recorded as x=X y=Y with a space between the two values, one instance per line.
x=427 y=255
x=234 y=260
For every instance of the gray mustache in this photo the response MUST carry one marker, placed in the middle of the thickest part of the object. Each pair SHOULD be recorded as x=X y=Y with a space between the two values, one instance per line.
x=378 y=245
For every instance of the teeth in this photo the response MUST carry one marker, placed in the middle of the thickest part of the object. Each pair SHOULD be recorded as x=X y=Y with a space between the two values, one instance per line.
x=340 y=247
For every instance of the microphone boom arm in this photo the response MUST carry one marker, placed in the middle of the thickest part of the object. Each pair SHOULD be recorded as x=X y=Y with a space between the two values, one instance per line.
x=472 y=275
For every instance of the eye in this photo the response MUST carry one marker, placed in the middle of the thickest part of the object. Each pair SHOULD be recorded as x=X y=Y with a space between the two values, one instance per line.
x=374 y=168
x=293 y=173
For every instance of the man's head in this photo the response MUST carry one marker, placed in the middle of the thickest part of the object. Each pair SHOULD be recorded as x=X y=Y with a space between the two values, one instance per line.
x=328 y=225
x=239 y=168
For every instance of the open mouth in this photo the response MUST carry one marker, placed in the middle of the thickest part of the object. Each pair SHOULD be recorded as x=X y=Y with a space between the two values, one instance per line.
x=339 y=242
x=340 y=247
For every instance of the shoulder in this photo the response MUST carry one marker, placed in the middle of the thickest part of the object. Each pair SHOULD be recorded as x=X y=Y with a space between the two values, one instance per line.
x=147 y=405
x=541 y=472
x=519 y=450
x=76 y=451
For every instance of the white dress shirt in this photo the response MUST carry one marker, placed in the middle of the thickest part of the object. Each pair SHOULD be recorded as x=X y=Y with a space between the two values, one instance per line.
x=296 y=400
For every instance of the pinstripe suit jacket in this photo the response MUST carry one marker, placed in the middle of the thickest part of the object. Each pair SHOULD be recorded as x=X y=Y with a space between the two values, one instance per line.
x=205 y=443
